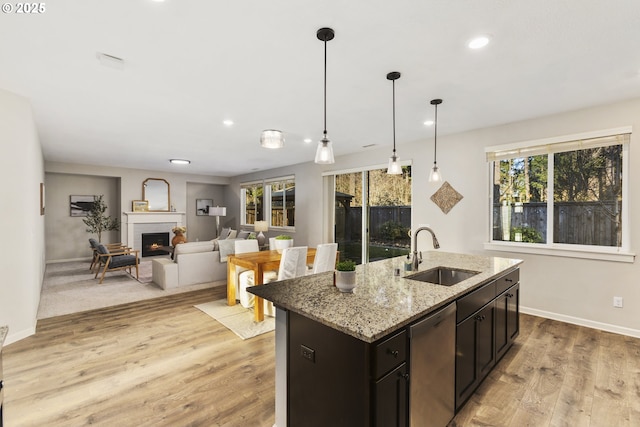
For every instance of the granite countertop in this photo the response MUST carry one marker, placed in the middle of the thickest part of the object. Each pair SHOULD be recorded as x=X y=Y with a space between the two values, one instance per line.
x=4 y=330
x=381 y=302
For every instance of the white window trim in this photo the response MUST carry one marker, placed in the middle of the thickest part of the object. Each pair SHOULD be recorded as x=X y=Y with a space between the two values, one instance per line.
x=618 y=254
x=266 y=185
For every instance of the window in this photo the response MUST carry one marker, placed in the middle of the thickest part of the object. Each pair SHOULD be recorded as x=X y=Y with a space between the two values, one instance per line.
x=563 y=193
x=269 y=200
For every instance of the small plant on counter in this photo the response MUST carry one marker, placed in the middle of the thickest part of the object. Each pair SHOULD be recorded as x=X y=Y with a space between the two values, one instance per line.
x=284 y=237
x=346 y=265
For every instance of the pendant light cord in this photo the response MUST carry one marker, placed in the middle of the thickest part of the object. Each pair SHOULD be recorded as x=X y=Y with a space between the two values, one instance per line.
x=394 y=117
x=435 y=136
x=325 y=90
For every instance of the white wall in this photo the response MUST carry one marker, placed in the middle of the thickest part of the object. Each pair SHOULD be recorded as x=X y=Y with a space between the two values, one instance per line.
x=22 y=252
x=569 y=289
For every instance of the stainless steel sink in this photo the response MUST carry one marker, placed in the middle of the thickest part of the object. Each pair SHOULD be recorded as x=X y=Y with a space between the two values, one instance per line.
x=444 y=276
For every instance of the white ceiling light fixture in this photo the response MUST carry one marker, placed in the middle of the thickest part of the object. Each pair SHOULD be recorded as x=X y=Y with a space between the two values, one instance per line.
x=428 y=123
x=227 y=122
x=394 y=166
x=324 y=152
x=478 y=42
x=272 y=139
x=180 y=161
x=435 y=175
x=110 y=61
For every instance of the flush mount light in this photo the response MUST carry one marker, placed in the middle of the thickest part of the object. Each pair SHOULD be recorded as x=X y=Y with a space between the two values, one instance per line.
x=324 y=153
x=478 y=42
x=394 y=166
x=428 y=123
x=307 y=140
x=228 y=122
x=272 y=138
x=180 y=161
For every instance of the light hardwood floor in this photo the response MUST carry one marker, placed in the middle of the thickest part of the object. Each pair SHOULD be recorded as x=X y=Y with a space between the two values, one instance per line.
x=163 y=362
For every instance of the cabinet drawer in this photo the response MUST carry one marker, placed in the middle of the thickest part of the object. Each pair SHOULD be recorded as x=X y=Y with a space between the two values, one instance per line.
x=472 y=302
x=390 y=353
x=507 y=281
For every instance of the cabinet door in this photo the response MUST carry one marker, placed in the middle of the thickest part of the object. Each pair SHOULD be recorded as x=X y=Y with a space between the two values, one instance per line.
x=507 y=319
x=475 y=351
x=391 y=398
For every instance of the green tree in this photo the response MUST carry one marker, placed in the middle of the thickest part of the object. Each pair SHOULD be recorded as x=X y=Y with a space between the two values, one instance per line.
x=97 y=221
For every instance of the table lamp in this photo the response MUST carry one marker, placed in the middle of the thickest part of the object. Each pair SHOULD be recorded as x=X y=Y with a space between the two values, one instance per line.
x=259 y=227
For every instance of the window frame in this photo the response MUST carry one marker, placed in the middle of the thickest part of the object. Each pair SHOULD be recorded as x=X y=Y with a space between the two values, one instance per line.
x=552 y=145
x=266 y=184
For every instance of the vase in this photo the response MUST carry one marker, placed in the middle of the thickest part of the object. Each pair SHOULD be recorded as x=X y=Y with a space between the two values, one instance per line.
x=345 y=281
x=282 y=244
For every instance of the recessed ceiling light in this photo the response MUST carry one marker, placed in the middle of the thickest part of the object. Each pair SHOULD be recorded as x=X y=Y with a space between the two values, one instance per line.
x=308 y=140
x=428 y=123
x=478 y=42
x=180 y=161
x=228 y=122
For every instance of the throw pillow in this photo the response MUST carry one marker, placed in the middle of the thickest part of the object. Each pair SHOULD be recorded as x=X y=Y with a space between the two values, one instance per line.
x=224 y=233
x=243 y=234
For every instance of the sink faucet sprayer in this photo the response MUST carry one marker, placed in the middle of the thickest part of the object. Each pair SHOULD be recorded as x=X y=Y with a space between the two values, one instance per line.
x=436 y=245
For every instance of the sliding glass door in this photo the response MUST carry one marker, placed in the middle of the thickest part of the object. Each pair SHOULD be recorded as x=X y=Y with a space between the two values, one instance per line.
x=372 y=214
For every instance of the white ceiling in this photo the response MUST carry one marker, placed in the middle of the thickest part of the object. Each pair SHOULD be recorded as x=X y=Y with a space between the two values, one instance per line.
x=190 y=64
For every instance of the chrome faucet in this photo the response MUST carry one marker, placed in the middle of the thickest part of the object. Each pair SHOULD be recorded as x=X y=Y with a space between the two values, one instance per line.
x=436 y=245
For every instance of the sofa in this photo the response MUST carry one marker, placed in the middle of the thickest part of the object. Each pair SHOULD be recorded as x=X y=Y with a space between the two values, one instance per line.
x=192 y=263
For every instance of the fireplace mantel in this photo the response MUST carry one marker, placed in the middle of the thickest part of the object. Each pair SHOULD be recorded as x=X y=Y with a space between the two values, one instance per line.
x=164 y=220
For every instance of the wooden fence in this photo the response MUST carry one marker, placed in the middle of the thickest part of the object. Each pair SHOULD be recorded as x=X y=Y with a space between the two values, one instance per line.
x=584 y=223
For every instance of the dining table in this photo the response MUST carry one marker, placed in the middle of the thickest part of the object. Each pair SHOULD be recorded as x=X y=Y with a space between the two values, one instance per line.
x=258 y=262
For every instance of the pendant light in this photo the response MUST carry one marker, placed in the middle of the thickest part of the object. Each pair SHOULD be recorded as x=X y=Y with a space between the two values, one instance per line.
x=394 y=166
x=435 y=175
x=324 y=153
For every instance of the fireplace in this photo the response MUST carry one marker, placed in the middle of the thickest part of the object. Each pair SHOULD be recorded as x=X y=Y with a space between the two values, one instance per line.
x=155 y=244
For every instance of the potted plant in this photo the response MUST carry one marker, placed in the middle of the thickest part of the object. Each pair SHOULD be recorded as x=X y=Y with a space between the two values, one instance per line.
x=346 y=275
x=96 y=220
x=283 y=241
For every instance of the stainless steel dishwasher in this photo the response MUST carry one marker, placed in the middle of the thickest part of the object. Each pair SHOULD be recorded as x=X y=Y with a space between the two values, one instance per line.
x=433 y=361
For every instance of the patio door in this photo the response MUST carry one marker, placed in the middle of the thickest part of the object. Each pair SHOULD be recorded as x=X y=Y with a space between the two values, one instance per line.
x=372 y=214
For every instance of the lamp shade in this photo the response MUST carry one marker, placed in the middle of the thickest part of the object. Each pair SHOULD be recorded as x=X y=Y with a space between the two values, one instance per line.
x=324 y=153
x=260 y=226
x=217 y=211
x=272 y=138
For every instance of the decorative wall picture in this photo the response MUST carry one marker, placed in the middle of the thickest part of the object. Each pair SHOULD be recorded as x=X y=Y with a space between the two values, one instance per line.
x=446 y=197
x=203 y=205
x=42 y=198
x=140 y=206
x=81 y=205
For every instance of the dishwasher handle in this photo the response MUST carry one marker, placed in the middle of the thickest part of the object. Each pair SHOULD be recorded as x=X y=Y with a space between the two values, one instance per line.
x=432 y=320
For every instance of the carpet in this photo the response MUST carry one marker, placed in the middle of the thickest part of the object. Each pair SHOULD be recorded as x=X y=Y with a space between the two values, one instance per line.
x=69 y=287
x=237 y=318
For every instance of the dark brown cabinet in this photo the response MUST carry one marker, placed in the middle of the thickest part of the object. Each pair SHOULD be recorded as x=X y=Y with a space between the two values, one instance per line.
x=391 y=398
x=488 y=323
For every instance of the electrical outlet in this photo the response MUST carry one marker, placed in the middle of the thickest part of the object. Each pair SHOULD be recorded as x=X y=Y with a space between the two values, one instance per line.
x=308 y=353
x=617 y=302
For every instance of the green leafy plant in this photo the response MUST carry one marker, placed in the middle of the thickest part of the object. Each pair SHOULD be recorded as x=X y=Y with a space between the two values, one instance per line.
x=346 y=265
x=283 y=237
x=96 y=220
x=529 y=234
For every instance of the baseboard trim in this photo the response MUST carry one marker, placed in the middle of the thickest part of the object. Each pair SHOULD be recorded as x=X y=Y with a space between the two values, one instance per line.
x=17 y=336
x=582 y=322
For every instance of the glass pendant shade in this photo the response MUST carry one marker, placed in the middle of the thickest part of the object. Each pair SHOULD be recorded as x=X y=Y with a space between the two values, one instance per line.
x=271 y=138
x=394 y=167
x=435 y=175
x=324 y=153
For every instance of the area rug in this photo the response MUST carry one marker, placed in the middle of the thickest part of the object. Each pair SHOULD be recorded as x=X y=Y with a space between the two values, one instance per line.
x=237 y=318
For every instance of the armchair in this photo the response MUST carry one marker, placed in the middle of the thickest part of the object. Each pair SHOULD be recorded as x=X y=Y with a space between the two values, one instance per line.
x=93 y=243
x=118 y=259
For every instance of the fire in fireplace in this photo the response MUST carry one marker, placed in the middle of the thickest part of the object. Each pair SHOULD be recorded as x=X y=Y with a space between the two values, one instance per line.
x=155 y=244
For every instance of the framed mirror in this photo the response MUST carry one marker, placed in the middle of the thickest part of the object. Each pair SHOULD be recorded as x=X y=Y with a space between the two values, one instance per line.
x=156 y=192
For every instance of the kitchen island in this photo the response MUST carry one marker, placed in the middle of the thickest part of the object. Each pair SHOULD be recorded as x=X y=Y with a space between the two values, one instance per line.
x=346 y=358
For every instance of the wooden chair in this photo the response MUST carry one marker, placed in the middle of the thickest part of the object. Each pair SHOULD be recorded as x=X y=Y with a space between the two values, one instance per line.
x=93 y=243
x=118 y=259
